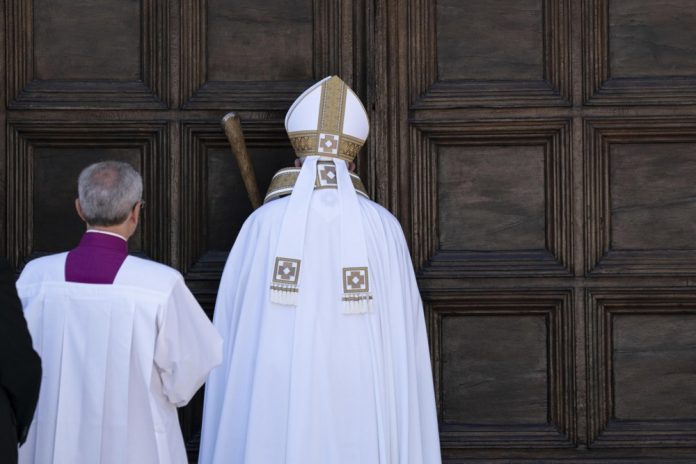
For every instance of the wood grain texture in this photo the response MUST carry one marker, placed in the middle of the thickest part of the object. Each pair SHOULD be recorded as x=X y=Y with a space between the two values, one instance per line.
x=485 y=400
x=545 y=249
x=615 y=342
x=653 y=196
x=249 y=38
x=473 y=40
x=638 y=53
x=68 y=55
x=494 y=369
x=652 y=38
x=257 y=56
x=640 y=219
x=654 y=367
x=491 y=198
x=489 y=54
x=85 y=40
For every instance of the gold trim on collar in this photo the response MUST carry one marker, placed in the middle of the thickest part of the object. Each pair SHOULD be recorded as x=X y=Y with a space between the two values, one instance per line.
x=284 y=181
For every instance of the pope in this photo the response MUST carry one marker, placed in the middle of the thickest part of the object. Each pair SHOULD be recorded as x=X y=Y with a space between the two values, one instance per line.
x=325 y=350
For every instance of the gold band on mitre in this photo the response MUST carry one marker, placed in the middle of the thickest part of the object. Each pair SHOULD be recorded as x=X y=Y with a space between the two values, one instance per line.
x=306 y=143
x=284 y=181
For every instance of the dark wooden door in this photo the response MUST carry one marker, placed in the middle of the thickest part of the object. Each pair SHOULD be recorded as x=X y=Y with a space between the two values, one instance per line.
x=540 y=154
x=547 y=174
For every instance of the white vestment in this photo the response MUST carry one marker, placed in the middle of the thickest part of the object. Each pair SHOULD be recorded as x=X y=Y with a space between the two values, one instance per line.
x=311 y=384
x=117 y=361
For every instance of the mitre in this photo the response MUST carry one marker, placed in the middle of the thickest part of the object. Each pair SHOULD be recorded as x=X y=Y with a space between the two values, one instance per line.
x=327 y=120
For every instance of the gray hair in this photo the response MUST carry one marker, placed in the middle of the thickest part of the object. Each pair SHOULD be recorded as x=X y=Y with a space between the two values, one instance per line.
x=108 y=192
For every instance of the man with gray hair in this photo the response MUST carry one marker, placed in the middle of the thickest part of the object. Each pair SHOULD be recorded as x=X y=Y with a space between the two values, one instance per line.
x=122 y=339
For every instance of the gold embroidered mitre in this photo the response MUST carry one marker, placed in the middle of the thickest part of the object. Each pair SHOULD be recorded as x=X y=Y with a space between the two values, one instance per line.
x=327 y=120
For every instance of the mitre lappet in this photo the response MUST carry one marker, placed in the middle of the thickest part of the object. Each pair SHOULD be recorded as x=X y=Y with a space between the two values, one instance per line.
x=327 y=126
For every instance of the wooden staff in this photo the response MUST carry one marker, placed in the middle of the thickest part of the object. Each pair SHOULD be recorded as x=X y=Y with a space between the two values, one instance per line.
x=233 y=131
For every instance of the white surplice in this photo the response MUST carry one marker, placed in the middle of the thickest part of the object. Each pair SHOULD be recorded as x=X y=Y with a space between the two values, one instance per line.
x=311 y=384
x=117 y=361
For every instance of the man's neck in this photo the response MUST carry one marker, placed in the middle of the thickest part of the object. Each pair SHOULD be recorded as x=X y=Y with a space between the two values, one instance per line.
x=113 y=231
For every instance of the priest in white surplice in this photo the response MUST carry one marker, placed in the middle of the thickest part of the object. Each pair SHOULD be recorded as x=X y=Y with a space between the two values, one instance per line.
x=325 y=354
x=122 y=340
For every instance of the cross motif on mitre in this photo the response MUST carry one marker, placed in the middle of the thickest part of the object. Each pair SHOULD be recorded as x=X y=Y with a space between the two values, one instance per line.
x=328 y=144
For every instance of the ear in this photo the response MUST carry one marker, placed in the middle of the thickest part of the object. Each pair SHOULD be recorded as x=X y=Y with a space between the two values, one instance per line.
x=298 y=163
x=135 y=214
x=78 y=208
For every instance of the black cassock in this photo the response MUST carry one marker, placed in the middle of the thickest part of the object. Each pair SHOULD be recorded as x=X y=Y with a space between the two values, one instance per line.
x=20 y=369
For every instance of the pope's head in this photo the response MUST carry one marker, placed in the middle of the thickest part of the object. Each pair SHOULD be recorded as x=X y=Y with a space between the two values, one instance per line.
x=110 y=197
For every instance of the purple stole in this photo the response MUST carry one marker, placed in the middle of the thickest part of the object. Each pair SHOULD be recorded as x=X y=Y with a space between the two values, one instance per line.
x=96 y=260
